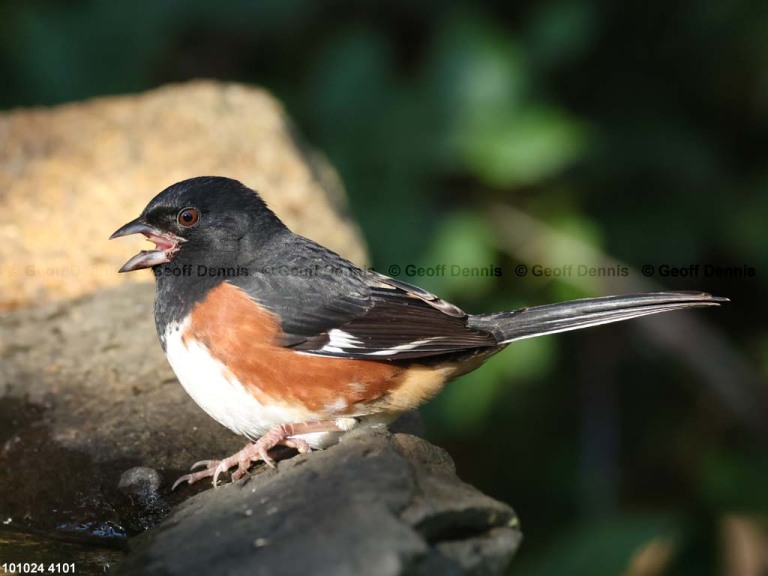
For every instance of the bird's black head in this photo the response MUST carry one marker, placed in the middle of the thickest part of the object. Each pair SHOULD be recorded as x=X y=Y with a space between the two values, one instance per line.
x=202 y=220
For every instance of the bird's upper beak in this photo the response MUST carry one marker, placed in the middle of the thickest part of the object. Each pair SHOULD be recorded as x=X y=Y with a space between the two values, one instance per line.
x=166 y=245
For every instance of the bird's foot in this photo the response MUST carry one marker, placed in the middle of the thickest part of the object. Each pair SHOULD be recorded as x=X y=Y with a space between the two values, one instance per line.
x=282 y=435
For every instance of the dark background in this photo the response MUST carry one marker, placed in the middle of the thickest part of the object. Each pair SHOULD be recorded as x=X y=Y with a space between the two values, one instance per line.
x=484 y=133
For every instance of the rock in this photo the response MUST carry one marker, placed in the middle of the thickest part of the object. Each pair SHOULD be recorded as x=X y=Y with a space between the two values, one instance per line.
x=142 y=487
x=85 y=394
x=140 y=481
x=71 y=175
x=376 y=504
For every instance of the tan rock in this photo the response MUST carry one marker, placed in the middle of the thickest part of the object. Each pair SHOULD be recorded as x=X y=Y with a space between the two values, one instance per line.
x=70 y=175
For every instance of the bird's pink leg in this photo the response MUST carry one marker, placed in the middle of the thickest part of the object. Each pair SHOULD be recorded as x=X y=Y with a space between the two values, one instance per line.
x=279 y=435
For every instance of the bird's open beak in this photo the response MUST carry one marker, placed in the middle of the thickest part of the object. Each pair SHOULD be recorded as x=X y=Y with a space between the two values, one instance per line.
x=166 y=245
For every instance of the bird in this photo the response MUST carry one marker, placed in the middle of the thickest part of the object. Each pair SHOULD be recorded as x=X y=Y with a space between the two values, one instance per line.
x=285 y=342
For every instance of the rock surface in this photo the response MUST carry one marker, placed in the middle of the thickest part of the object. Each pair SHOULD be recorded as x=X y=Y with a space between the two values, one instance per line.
x=376 y=504
x=85 y=394
x=71 y=175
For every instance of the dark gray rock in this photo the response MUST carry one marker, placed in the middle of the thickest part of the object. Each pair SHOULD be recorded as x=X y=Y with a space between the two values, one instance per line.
x=86 y=394
x=376 y=504
x=142 y=487
x=140 y=481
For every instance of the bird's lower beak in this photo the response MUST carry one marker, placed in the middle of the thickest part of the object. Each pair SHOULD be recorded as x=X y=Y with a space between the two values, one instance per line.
x=166 y=245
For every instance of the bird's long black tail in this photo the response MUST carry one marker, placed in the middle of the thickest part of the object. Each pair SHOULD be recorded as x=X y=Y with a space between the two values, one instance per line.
x=576 y=314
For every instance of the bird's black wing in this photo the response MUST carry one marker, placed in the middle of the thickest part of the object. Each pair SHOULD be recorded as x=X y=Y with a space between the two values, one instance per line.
x=330 y=307
x=402 y=321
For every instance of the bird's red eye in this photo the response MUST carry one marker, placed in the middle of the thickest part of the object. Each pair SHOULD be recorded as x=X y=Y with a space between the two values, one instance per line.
x=188 y=217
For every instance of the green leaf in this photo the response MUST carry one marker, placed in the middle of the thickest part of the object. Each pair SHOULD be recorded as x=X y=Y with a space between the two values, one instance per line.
x=524 y=147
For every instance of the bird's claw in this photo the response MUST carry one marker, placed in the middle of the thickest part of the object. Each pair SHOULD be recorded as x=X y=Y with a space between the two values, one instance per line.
x=192 y=477
x=252 y=453
x=204 y=464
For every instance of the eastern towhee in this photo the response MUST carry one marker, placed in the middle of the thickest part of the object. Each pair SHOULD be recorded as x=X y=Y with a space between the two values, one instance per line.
x=286 y=342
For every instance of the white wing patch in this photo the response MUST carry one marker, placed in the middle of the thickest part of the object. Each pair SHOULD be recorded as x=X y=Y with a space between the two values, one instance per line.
x=339 y=341
x=405 y=347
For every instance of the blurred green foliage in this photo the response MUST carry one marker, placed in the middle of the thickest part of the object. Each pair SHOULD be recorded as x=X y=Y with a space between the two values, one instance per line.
x=636 y=129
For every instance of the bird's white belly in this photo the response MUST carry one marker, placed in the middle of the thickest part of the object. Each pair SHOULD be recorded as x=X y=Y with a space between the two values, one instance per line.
x=224 y=398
